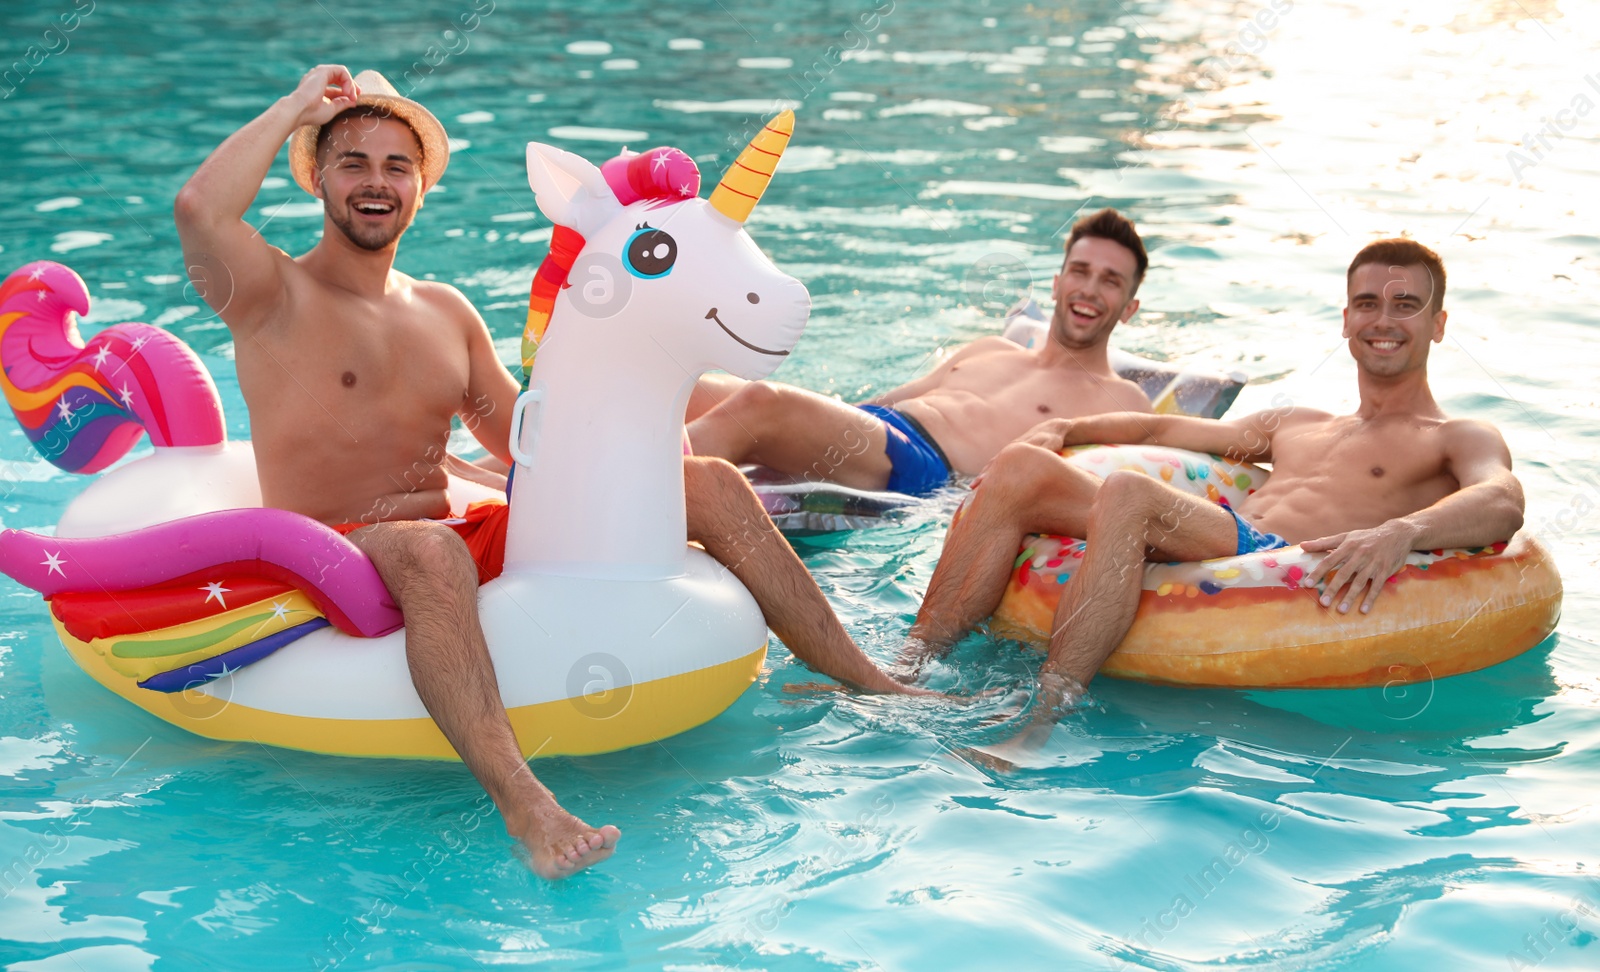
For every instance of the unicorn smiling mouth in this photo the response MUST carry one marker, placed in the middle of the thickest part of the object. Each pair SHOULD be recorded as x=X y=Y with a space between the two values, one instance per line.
x=711 y=315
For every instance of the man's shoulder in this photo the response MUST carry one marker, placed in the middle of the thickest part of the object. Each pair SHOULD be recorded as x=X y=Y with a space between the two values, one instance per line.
x=1458 y=425
x=1127 y=395
x=444 y=298
x=431 y=289
x=269 y=303
x=1285 y=415
x=1470 y=434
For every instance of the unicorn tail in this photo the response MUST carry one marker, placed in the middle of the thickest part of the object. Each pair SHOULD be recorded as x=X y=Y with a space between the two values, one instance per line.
x=82 y=405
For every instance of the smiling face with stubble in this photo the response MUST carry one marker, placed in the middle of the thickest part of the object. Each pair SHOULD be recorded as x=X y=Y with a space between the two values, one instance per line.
x=369 y=178
x=1391 y=315
x=1093 y=292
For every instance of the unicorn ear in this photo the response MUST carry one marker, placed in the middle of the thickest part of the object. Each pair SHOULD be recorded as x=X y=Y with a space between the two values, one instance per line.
x=570 y=190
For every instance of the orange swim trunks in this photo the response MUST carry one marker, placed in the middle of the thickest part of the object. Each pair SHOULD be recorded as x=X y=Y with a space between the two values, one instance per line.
x=483 y=528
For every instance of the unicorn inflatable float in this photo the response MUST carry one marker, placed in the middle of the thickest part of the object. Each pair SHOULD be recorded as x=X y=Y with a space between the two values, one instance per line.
x=172 y=587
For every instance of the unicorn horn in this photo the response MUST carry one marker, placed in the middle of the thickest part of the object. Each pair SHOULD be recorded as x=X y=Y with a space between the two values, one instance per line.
x=746 y=179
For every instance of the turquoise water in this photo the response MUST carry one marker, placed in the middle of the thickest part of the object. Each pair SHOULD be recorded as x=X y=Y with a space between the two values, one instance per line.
x=1433 y=826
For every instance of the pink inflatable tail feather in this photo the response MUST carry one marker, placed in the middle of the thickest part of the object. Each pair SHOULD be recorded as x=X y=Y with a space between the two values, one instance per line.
x=274 y=544
x=83 y=406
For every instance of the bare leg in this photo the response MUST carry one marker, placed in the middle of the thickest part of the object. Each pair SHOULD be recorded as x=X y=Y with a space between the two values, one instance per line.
x=711 y=390
x=432 y=578
x=1131 y=518
x=1025 y=490
x=728 y=520
x=797 y=432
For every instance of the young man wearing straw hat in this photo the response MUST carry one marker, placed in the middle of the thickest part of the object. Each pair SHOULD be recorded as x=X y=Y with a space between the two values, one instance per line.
x=353 y=373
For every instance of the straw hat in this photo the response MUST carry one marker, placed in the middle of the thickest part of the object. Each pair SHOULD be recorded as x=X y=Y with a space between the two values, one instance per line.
x=376 y=90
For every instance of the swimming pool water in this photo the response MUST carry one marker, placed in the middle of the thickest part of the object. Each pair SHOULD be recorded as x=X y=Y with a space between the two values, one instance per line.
x=1447 y=825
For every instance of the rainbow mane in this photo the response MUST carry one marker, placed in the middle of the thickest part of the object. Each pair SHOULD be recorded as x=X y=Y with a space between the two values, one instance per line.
x=565 y=245
x=83 y=406
x=665 y=174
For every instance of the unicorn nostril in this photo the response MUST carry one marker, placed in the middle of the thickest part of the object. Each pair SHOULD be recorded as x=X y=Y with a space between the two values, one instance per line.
x=753 y=297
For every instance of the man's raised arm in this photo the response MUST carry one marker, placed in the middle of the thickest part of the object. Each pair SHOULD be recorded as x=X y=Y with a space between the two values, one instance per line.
x=232 y=267
x=1247 y=439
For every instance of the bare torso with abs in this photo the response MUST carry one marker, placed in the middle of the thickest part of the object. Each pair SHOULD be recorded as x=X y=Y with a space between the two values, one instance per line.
x=1335 y=474
x=351 y=399
x=992 y=391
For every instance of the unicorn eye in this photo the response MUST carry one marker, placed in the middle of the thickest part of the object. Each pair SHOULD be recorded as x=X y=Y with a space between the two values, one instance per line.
x=650 y=253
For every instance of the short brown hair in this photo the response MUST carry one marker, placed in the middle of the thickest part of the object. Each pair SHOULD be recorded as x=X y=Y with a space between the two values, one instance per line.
x=1108 y=224
x=365 y=111
x=1400 y=252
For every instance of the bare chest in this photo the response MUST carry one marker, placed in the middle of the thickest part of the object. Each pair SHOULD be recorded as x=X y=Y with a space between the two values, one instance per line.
x=355 y=366
x=1374 y=459
x=1028 y=394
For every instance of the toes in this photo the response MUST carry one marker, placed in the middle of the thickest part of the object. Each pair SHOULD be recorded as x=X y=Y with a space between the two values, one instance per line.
x=575 y=847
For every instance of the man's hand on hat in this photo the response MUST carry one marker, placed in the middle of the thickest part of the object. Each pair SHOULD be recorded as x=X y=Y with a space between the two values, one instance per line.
x=326 y=90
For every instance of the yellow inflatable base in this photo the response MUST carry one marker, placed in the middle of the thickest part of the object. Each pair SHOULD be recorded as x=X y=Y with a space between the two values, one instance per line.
x=618 y=719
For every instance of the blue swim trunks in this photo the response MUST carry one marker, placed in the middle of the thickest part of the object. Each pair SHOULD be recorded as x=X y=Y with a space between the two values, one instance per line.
x=1251 y=539
x=918 y=465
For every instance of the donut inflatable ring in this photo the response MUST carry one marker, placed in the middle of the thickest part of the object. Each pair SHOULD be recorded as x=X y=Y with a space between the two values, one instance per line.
x=1250 y=621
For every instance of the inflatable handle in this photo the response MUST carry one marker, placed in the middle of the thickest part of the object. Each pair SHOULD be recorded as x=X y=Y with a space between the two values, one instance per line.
x=83 y=405
x=529 y=397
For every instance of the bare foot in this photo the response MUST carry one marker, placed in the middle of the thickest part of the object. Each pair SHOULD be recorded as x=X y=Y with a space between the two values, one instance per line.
x=988 y=760
x=886 y=687
x=560 y=845
x=1004 y=757
x=1016 y=704
x=894 y=686
x=1027 y=742
x=913 y=657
